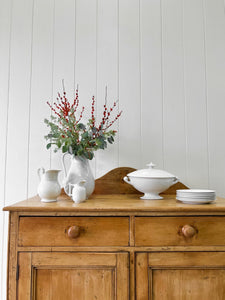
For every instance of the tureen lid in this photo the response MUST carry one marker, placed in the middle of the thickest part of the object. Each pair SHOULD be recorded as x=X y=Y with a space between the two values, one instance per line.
x=151 y=172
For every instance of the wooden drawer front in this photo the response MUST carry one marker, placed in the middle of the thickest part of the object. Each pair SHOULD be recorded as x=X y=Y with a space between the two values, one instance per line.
x=180 y=231
x=93 y=231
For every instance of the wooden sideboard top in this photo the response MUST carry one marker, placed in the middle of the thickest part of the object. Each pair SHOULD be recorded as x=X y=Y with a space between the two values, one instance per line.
x=112 y=194
x=115 y=203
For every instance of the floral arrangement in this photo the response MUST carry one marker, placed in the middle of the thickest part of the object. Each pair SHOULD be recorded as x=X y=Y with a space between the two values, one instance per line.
x=69 y=133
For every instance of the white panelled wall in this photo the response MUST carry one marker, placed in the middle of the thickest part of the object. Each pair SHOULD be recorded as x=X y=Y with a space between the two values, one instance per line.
x=163 y=59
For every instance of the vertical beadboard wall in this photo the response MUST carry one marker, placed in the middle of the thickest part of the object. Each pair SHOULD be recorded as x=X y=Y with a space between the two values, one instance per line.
x=163 y=59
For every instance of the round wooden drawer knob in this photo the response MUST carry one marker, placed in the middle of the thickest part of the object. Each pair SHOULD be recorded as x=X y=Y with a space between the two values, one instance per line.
x=188 y=231
x=73 y=232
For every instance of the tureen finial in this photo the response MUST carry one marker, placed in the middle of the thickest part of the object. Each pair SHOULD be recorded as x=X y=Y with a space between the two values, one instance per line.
x=151 y=165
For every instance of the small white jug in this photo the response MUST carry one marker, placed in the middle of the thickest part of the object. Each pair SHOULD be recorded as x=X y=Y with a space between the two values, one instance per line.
x=78 y=193
x=49 y=188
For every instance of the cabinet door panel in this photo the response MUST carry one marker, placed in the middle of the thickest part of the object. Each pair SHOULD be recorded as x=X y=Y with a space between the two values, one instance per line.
x=187 y=284
x=180 y=276
x=88 y=284
x=73 y=276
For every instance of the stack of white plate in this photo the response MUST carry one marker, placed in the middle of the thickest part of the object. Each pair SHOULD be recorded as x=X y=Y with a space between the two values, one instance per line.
x=196 y=196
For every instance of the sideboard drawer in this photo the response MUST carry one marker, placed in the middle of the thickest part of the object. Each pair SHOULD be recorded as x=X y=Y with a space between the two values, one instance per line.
x=180 y=231
x=73 y=231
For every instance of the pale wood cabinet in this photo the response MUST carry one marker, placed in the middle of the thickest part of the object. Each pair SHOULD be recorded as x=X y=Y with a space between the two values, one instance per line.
x=116 y=246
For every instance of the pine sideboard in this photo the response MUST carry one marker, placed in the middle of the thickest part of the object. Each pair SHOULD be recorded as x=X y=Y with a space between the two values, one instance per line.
x=116 y=246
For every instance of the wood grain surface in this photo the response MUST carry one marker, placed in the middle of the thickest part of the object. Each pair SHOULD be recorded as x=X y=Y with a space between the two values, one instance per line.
x=83 y=276
x=167 y=231
x=180 y=276
x=94 y=231
x=115 y=203
x=188 y=284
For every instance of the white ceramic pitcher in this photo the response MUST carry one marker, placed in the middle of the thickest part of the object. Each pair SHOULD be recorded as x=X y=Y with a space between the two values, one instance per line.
x=79 y=170
x=49 y=188
x=78 y=191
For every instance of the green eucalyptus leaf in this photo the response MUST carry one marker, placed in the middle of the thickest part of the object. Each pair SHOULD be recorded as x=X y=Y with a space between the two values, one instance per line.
x=70 y=150
x=64 y=148
x=88 y=155
x=92 y=143
x=110 y=140
x=102 y=145
x=81 y=126
x=85 y=135
x=94 y=130
x=99 y=141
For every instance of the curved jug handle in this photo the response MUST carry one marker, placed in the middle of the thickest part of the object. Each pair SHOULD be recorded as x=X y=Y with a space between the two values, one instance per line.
x=63 y=163
x=71 y=189
x=40 y=172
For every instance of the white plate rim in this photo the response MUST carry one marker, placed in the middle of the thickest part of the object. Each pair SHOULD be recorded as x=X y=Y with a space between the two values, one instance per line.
x=200 y=199
x=196 y=191
x=196 y=197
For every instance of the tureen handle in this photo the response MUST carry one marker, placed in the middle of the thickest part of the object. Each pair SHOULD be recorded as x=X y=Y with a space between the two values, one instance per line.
x=127 y=179
x=176 y=179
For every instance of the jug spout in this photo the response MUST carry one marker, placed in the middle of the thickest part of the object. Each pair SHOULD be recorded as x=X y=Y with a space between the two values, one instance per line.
x=52 y=174
x=82 y=182
x=41 y=172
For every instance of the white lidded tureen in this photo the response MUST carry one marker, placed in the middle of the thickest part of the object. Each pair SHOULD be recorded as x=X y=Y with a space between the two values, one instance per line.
x=151 y=181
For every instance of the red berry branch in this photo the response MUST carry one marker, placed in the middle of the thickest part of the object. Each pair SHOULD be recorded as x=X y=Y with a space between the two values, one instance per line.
x=69 y=133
